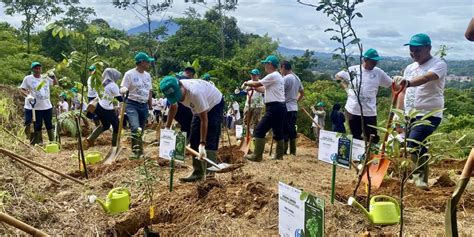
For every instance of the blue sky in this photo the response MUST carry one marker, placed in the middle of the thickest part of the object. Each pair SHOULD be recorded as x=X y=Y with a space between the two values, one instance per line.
x=386 y=25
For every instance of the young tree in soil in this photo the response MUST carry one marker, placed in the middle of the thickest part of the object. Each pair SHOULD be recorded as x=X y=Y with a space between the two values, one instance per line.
x=342 y=13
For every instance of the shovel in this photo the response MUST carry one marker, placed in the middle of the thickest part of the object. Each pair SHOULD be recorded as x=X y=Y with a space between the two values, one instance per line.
x=114 y=151
x=378 y=163
x=245 y=145
x=218 y=168
x=450 y=221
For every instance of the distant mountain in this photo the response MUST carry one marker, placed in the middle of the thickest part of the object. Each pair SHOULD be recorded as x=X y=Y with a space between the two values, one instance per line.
x=171 y=27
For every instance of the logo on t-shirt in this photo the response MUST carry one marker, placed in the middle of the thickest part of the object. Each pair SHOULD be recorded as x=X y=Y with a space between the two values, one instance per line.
x=191 y=105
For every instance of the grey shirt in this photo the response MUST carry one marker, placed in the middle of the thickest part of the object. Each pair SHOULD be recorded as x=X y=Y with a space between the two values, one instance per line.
x=292 y=87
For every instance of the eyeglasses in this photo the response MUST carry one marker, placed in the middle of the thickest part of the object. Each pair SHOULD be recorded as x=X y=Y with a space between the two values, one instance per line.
x=416 y=49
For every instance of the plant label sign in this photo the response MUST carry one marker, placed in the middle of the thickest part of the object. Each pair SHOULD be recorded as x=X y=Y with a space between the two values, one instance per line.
x=335 y=145
x=239 y=129
x=172 y=144
x=299 y=213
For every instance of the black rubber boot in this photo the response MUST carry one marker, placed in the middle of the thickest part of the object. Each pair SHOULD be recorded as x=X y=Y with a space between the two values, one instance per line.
x=36 y=138
x=293 y=147
x=94 y=135
x=50 y=135
x=28 y=133
x=198 y=171
x=285 y=149
x=114 y=139
x=257 y=154
x=136 y=149
x=279 y=150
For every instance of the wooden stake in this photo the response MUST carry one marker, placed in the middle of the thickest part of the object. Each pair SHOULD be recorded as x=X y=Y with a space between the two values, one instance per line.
x=21 y=225
x=34 y=169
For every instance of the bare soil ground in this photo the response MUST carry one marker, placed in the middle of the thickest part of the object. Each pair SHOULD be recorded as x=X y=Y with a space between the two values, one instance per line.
x=241 y=203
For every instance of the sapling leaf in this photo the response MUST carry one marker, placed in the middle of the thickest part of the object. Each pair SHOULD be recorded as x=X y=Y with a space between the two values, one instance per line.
x=431 y=113
x=358 y=14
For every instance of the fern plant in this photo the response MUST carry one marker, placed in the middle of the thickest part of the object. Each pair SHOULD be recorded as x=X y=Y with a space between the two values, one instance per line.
x=67 y=121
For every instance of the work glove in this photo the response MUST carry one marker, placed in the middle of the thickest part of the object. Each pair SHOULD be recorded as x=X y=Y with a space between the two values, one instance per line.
x=237 y=91
x=202 y=151
x=30 y=98
x=123 y=90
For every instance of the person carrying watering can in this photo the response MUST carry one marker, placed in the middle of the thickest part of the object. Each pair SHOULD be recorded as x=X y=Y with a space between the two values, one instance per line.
x=275 y=110
x=424 y=80
x=137 y=82
x=372 y=78
x=207 y=105
x=36 y=90
x=105 y=108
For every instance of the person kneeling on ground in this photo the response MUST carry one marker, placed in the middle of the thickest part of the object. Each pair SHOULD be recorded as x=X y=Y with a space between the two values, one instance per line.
x=207 y=105
x=105 y=108
x=275 y=110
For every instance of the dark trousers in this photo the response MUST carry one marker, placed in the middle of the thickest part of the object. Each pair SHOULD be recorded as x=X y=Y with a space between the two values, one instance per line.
x=420 y=133
x=45 y=116
x=107 y=118
x=356 y=128
x=290 y=125
x=28 y=117
x=184 y=116
x=214 y=122
x=274 y=118
x=157 y=114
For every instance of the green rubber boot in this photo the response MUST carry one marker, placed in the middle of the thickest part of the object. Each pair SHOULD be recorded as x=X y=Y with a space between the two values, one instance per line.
x=36 y=138
x=279 y=150
x=293 y=147
x=198 y=172
x=50 y=135
x=136 y=149
x=114 y=139
x=94 y=135
x=285 y=149
x=257 y=154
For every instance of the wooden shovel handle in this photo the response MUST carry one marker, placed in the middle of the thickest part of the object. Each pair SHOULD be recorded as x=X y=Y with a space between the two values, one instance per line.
x=21 y=225
x=468 y=167
x=192 y=151
x=309 y=116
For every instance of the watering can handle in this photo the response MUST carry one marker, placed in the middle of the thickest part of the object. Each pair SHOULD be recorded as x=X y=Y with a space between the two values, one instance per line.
x=391 y=199
x=117 y=190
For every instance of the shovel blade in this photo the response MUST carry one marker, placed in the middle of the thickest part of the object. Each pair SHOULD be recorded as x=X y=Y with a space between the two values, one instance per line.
x=113 y=152
x=377 y=173
x=224 y=168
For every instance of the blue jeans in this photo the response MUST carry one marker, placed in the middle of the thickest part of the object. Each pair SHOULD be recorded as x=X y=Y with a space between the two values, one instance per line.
x=137 y=114
x=420 y=133
x=274 y=118
x=214 y=122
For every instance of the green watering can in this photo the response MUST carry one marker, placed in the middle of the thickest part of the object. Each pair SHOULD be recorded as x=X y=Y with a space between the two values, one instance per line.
x=93 y=157
x=50 y=147
x=385 y=212
x=118 y=200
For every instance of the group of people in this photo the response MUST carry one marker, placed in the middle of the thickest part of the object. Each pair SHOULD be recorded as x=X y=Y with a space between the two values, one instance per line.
x=197 y=105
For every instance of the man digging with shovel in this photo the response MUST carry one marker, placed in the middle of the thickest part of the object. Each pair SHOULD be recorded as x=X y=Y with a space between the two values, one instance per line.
x=207 y=105
x=275 y=110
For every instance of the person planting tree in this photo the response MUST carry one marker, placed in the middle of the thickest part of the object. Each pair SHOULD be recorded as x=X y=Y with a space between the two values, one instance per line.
x=137 y=82
x=294 y=92
x=253 y=110
x=424 y=80
x=91 y=95
x=275 y=110
x=372 y=78
x=37 y=103
x=105 y=108
x=207 y=105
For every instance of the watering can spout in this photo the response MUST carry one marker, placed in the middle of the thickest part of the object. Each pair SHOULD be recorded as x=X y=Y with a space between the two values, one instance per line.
x=102 y=203
x=353 y=202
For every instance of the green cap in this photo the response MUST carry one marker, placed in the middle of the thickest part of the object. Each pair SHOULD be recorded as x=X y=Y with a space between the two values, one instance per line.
x=320 y=104
x=170 y=87
x=35 y=64
x=271 y=59
x=255 y=72
x=141 y=56
x=206 y=77
x=92 y=68
x=74 y=89
x=419 y=40
x=372 y=55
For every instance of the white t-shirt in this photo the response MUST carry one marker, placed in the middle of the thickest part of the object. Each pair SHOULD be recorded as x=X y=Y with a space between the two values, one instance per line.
x=111 y=90
x=371 y=81
x=236 y=107
x=138 y=84
x=30 y=83
x=200 y=95
x=429 y=96
x=292 y=88
x=155 y=103
x=64 y=106
x=90 y=90
x=274 y=87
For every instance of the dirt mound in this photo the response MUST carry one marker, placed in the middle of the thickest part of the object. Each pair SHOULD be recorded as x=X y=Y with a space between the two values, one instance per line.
x=98 y=170
x=304 y=141
x=444 y=181
x=433 y=199
x=231 y=155
x=190 y=203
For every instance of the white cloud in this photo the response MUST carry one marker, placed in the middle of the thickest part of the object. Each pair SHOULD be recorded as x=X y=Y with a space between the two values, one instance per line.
x=386 y=24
